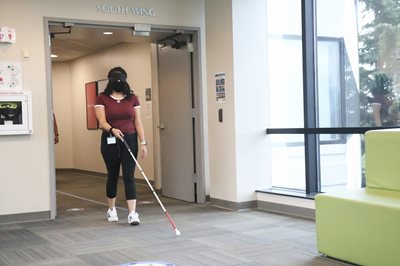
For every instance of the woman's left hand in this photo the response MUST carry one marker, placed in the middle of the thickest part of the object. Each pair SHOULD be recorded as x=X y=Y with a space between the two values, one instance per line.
x=143 y=151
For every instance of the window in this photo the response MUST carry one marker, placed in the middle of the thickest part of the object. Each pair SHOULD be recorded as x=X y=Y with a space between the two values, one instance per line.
x=328 y=85
x=286 y=93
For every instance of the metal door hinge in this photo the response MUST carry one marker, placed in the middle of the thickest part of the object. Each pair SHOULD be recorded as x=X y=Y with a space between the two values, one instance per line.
x=190 y=47
x=194 y=176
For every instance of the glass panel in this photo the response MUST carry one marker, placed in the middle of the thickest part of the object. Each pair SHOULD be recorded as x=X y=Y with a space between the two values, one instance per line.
x=337 y=56
x=287 y=162
x=379 y=38
x=341 y=164
x=285 y=64
x=338 y=94
x=329 y=89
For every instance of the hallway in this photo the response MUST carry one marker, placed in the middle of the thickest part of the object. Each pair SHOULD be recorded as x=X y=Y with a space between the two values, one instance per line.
x=80 y=235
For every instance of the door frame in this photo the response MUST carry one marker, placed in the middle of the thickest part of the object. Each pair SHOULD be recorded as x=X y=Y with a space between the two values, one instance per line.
x=199 y=100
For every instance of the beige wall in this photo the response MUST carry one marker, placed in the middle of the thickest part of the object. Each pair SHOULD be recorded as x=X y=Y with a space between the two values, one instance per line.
x=26 y=162
x=221 y=135
x=62 y=104
x=79 y=148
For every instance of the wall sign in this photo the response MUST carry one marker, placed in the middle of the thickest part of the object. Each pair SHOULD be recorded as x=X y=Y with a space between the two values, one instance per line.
x=7 y=35
x=10 y=76
x=220 y=87
x=148 y=107
x=126 y=10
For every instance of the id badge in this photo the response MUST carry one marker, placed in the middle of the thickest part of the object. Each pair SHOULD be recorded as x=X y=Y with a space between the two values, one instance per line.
x=111 y=140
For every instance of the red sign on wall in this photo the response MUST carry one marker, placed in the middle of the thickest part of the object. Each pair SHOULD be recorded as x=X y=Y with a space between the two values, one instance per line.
x=91 y=95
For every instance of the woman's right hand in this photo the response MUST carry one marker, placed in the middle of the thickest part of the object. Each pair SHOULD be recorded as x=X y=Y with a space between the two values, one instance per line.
x=117 y=133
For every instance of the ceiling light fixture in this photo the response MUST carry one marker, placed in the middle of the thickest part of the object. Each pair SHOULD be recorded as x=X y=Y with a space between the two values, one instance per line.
x=53 y=56
x=108 y=33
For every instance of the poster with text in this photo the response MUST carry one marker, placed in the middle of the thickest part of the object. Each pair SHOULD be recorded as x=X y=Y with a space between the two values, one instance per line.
x=10 y=76
x=220 y=87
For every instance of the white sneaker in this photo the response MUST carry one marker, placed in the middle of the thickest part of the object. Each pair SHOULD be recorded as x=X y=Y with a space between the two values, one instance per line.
x=112 y=215
x=133 y=218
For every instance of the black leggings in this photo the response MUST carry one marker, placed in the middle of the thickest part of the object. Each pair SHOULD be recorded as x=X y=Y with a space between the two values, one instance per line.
x=115 y=155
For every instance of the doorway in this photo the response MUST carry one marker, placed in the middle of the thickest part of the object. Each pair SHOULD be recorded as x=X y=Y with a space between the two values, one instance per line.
x=162 y=169
x=176 y=123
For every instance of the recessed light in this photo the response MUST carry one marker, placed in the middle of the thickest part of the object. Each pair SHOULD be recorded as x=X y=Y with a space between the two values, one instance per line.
x=53 y=56
x=108 y=33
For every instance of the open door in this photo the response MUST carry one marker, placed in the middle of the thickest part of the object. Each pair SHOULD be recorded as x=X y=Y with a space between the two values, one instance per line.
x=176 y=123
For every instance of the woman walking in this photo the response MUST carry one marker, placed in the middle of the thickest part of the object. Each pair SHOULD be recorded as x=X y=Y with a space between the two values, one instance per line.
x=118 y=112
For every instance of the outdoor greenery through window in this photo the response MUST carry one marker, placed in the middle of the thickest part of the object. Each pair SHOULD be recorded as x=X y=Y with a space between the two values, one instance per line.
x=379 y=56
x=357 y=74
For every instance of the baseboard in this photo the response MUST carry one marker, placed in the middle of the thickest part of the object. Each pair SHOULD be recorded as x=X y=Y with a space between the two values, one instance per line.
x=79 y=171
x=233 y=205
x=208 y=198
x=297 y=211
x=24 y=217
x=287 y=209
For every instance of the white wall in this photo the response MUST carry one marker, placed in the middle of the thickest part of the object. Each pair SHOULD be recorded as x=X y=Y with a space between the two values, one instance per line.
x=251 y=96
x=236 y=45
x=32 y=184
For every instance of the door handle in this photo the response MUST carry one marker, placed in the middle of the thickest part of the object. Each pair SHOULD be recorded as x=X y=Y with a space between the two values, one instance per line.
x=161 y=126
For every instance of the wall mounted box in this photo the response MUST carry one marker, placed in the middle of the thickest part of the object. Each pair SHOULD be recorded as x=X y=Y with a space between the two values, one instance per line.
x=7 y=35
x=16 y=113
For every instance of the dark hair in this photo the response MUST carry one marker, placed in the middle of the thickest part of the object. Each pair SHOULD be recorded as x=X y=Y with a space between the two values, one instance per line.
x=117 y=77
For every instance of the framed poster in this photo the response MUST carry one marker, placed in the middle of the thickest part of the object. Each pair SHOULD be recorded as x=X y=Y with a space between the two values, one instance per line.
x=91 y=95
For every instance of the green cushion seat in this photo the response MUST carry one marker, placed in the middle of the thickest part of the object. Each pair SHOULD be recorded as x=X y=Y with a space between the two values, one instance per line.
x=363 y=226
x=359 y=226
x=382 y=159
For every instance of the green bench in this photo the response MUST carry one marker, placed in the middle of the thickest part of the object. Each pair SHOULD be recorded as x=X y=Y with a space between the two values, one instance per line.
x=363 y=226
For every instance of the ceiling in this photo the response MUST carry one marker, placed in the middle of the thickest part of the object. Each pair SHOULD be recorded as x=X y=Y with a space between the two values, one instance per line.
x=70 y=43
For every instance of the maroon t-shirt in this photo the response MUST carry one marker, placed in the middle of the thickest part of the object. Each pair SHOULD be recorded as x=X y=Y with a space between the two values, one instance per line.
x=119 y=113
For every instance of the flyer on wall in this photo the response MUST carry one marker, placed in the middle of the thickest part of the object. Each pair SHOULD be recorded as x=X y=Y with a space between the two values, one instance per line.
x=10 y=76
x=220 y=87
